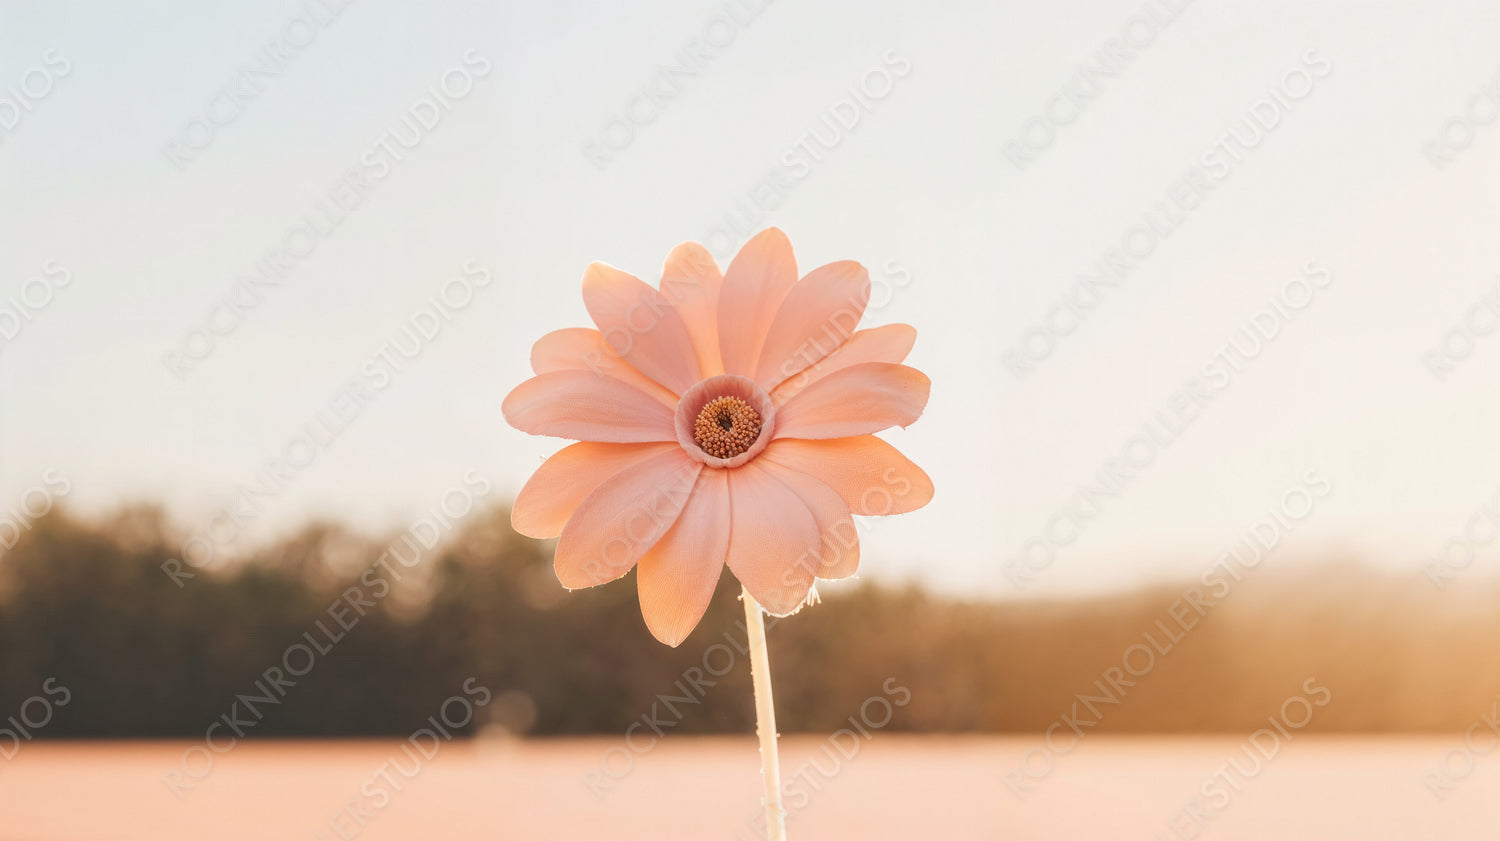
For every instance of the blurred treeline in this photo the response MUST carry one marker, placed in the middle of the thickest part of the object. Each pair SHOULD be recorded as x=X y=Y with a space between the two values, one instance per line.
x=88 y=604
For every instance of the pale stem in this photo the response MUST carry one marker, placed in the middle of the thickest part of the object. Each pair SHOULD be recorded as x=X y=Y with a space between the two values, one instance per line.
x=765 y=718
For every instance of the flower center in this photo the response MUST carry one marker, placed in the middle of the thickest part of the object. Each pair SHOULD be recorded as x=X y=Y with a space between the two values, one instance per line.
x=726 y=427
x=724 y=421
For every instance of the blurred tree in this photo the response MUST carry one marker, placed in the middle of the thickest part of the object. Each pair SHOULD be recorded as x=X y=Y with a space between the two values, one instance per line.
x=88 y=604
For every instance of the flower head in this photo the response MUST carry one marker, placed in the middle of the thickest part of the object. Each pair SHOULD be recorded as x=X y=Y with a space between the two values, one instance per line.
x=723 y=419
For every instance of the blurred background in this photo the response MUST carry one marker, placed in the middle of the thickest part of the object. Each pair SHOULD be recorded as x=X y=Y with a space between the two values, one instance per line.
x=1208 y=293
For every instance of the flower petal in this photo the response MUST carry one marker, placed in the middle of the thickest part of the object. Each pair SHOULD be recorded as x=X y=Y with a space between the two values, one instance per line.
x=839 y=540
x=623 y=518
x=773 y=540
x=871 y=476
x=818 y=315
x=568 y=349
x=890 y=343
x=676 y=579
x=587 y=407
x=583 y=349
x=691 y=281
x=862 y=398
x=559 y=486
x=639 y=325
x=757 y=281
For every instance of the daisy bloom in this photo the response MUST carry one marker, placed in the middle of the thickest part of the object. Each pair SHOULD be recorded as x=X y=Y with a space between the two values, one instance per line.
x=723 y=419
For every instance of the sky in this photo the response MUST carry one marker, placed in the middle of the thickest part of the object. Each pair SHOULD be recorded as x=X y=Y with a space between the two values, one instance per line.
x=991 y=158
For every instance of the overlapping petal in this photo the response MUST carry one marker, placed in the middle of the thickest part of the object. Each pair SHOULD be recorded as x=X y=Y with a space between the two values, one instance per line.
x=623 y=518
x=583 y=349
x=585 y=406
x=675 y=580
x=560 y=485
x=818 y=315
x=890 y=343
x=838 y=541
x=640 y=325
x=872 y=477
x=774 y=543
x=691 y=281
x=857 y=400
x=755 y=284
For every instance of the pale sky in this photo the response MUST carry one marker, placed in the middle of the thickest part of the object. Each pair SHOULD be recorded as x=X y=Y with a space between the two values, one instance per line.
x=922 y=182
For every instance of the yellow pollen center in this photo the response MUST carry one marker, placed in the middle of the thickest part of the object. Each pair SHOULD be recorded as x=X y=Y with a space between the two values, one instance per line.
x=726 y=427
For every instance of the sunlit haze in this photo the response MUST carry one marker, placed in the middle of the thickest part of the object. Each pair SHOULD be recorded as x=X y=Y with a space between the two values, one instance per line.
x=1071 y=291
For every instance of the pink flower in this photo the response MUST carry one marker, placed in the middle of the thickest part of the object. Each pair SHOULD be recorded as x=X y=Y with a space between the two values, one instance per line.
x=723 y=419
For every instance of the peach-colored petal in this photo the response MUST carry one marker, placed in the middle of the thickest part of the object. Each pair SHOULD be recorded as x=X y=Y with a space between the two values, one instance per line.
x=890 y=343
x=818 y=315
x=571 y=349
x=773 y=540
x=839 y=540
x=856 y=400
x=676 y=579
x=583 y=349
x=560 y=485
x=690 y=281
x=623 y=518
x=587 y=407
x=871 y=476
x=755 y=284
x=639 y=325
